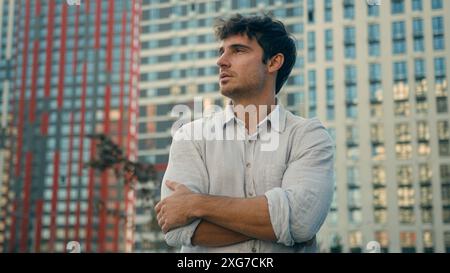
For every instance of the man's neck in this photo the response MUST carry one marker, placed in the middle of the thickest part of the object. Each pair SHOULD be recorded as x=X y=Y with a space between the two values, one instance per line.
x=253 y=110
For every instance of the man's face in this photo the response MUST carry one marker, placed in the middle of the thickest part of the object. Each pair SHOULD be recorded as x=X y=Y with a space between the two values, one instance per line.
x=242 y=73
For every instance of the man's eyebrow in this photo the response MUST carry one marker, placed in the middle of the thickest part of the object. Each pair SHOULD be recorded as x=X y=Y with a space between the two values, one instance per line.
x=234 y=46
x=240 y=45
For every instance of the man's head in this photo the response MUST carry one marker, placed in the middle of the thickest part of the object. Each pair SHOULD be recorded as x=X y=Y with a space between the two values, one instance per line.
x=255 y=51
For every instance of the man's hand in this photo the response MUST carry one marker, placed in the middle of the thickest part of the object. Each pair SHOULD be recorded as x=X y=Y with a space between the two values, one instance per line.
x=175 y=210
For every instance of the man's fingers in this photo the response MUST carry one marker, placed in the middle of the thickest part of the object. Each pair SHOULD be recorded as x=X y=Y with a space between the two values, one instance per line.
x=160 y=220
x=158 y=216
x=158 y=207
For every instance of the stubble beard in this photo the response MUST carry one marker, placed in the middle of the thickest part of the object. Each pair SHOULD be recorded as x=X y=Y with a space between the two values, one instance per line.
x=246 y=90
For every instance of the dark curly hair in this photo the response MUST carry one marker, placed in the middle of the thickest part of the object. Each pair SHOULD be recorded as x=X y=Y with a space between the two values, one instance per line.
x=270 y=34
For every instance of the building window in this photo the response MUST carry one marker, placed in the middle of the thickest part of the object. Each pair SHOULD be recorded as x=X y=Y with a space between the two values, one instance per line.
x=353 y=178
x=310 y=8
x=400 y=75
x=404 y=176
x=445 y=191
x=377 y=142
x=311 y=46
x=417 y=5
x=351 y=96
x=440 y=76
x=436 y=4
x=374 y=40
x=401 y=90
x=397 y=6
x=378 y=176
x=443 y=138
x=373 y=10
x=352 y=136
x=330 y=93
x=382 y=237
x=328 y=5
x=398 y=37
x=352 y=143
x=354 y=214
x=421 y=88
x=349 y=9
x=380 y=198
x=419 y=70
x=336 y=244
x=405 y=194
x=447 y=241
x=418 y=43
x=376 y=93
x=329 y=45
x=423 y=138
x=408 y=241
x=312 y=93
x=380 y=216
x=438 y=33
x=427 y=215
x=426 y=202
x=350 y=42
x=355 y=241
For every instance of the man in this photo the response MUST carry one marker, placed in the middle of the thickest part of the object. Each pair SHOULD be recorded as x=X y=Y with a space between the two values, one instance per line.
x=234 y=195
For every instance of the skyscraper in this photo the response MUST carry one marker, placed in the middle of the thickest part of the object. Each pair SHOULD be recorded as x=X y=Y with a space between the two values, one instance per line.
x=73 y=72
x=376 y=75
x=6 y=49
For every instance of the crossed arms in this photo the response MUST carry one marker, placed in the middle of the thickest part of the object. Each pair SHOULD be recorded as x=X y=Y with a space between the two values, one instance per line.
x=287 y=215
x=224 y=222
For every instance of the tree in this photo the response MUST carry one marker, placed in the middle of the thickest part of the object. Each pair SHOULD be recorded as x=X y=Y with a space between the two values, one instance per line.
x=110 y=156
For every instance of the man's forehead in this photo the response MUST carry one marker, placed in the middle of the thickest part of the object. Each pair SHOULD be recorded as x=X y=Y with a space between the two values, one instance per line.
x=237 y=39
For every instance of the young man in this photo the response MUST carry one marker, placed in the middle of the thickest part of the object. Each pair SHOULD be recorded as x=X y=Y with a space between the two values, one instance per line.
x=235 y=195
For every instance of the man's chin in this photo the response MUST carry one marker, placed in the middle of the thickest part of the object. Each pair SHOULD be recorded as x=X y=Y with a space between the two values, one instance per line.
x=227 y=92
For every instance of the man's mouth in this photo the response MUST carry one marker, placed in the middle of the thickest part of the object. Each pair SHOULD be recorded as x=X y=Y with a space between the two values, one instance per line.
x=224 y=77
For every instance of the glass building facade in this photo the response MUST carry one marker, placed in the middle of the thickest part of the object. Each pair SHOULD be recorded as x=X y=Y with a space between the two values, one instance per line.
x=376 y=75
x=73 y=71
x=390 y=121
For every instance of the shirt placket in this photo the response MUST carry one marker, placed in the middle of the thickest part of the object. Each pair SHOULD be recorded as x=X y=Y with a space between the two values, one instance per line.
x=250 y=190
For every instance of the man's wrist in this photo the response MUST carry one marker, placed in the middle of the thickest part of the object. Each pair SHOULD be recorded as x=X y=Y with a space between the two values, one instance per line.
x=197 y=205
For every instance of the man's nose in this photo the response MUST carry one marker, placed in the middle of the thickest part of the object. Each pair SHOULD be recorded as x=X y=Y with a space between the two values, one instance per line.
x=223 y=61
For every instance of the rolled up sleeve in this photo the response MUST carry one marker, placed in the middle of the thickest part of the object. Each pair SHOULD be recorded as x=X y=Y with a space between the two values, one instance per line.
x=299 y=207
x=185 y=166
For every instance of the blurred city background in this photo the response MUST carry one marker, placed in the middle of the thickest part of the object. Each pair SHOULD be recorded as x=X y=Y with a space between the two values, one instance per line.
x=87 y=88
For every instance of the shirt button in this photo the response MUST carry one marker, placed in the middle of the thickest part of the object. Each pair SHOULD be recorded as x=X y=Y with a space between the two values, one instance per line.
x=254 y=249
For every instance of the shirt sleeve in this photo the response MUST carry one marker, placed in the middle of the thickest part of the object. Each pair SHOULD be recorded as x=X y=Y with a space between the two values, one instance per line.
x=185 y=166
x=299 y=208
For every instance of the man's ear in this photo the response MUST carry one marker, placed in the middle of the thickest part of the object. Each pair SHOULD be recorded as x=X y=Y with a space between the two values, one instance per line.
x=276 y=62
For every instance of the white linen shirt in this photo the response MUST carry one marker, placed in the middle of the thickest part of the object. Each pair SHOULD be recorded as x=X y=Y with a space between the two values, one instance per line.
x=296 y=175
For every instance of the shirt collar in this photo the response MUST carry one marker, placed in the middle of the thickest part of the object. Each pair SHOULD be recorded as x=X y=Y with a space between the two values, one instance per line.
x=276 y=118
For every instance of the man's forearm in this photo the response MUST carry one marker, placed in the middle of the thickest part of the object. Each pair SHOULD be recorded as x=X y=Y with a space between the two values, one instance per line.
x=247 y=216
x=211 y=235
